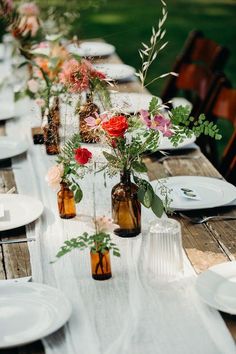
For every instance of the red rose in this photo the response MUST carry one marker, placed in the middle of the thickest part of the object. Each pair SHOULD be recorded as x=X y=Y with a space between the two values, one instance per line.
x=82 y=156
x=116 y=126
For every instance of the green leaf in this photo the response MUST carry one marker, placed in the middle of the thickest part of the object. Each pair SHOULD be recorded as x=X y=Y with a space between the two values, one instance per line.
x=139 y=166
x=78 y=194
x=145 y=195
x=110 y=158
x=157 y=206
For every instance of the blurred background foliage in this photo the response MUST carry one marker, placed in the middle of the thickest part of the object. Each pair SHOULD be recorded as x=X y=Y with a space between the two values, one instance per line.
x=127 y=23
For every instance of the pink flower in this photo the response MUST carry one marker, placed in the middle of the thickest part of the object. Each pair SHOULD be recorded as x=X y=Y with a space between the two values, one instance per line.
x=40 y=102
x=28 y=9
x=76 y=75
x=7 y=7
x=54 y=176
x=33 y=86
x=145 y=117
x=157 y=122
x=163 y=125
x=95 y=122
x=28 y=25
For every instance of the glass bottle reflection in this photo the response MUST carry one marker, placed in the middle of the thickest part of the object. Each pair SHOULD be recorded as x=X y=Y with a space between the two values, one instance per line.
x=66 y=202
x=101 y=265
x=126 y=209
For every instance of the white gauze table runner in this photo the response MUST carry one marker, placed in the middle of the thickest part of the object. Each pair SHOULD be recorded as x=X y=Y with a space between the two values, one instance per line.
x=129 y=314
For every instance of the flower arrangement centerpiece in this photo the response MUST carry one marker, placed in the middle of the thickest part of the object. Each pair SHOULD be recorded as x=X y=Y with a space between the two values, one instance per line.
x=24 y=24
x=72 y=164
x=128 y=139
x=78 y=76
x=100 y=245
x=43 y=86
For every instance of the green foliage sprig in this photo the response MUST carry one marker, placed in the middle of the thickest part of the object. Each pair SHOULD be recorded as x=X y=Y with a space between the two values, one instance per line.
x=184 y=125
x=72 y=170
x=149 y=52
x=97 y=242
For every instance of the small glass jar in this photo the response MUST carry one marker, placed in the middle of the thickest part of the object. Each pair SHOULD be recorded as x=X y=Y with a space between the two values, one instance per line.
x=126 y=208
x=101 y=265
x=66 y=202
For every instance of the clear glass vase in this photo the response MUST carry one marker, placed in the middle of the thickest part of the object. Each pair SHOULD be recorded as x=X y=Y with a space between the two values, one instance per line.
x=101 y=265
x=126 y=209
x=66 y=202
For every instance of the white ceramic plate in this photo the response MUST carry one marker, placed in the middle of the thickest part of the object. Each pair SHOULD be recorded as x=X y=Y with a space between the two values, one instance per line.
x=19 y=210
x=91 y=49
x=166 y=144
x=217 y=287
x=30 y=311
x=212 y=192
x=7 y=110
x=2 y=51
x=130 y=102
x=10 y=147
x=116 y=72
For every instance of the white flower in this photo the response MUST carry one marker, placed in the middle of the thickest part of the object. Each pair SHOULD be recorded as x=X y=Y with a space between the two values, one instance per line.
x=104 y=224
x=54 y=176
x=33 y=86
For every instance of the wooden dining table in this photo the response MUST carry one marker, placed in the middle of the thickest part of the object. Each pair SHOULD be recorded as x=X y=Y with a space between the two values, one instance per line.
x=205 y=245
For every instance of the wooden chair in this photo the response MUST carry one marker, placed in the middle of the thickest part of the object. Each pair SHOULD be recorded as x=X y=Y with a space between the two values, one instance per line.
x=196 y=65
x=228 y=163
x=221 y=104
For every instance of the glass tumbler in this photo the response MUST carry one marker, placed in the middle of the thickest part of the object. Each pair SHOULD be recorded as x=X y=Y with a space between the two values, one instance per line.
x=162 y=251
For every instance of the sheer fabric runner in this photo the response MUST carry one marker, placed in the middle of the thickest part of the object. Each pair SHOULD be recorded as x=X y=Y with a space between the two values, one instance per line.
x=131 y=313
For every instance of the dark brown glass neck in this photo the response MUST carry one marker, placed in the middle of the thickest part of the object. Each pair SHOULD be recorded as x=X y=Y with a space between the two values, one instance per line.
x=125 y=176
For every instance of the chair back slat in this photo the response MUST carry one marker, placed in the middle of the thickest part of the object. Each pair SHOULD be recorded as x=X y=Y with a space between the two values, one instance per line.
x=207 y=52
x=196 y=66
x=195 y=78
x=225 y=105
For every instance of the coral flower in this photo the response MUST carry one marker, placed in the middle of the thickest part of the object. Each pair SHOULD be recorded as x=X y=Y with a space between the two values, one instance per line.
x=116 y=126
x=76 y=75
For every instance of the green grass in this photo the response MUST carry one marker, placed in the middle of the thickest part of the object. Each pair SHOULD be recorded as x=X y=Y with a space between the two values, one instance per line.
x=127 y=23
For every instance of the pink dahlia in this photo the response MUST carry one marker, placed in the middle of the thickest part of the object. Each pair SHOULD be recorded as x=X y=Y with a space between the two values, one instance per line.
x=28 y=9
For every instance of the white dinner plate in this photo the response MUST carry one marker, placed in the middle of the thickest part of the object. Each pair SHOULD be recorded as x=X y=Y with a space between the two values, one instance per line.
x=116 y=72
x=7 y=110
x=2 y=48
x=217 y=287
x=30 y=311
x=130 y=102
x=212 y=192
x=10 y=147
x=166 y=144
x=19 y=210
x=91 y=49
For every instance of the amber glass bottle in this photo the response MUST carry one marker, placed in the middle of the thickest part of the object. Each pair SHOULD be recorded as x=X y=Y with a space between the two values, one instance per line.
x=101 y=265
x=55 y=111
x=126 y=209
x=66 y=202
x=51 y=128
x=87 y=110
